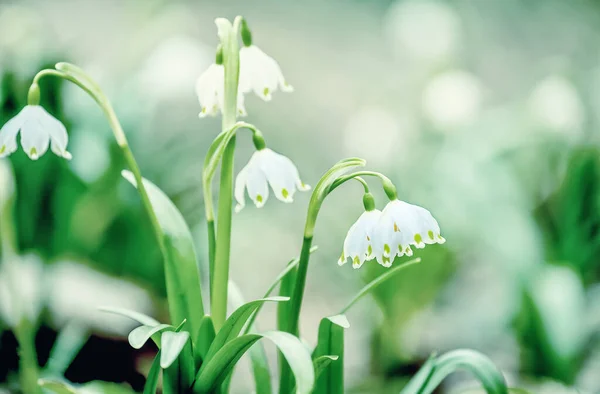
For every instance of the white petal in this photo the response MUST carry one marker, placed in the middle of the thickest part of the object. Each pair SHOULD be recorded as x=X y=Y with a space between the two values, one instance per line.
x=357 y=245
x=209 y=88
x=260 y=73
x=281 y=173
x=258 y=189
x=35 y=139
x=240 y=186
x=57 y=132
x=8 y=133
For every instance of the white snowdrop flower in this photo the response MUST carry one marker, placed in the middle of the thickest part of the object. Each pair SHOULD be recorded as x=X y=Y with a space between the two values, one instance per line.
x=357 y=245
x=210 y=88
x=260 y=73
x=267 y=167
x=401 y=225
x=38 y=130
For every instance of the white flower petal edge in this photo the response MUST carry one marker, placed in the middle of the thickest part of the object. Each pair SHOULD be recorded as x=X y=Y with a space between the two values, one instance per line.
x=401 y=225
x=264 y=168
x=260 y=73
x=38 y=130
x=210 y=88
x=357 y=245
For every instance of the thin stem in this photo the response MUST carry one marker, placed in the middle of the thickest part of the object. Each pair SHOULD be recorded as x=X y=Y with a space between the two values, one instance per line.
x=378 y=281
x=296 y=301
x=363 y=182
x=388 y=186
x=211 y=252
x=121 y=139
x=231 y=63
x=28 y=362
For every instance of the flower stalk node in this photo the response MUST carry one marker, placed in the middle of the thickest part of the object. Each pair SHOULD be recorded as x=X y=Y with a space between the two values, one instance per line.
x=33 y=97
x=369 y=202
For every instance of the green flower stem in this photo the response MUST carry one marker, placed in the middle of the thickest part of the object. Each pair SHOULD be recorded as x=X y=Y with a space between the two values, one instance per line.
x=378 y=281
x=24 y=330
x=231 y=62
x=28 y=363
x=388 y=186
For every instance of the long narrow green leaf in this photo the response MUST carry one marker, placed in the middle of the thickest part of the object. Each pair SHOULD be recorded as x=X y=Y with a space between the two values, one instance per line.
x=172 y=345
x=378 y=281
x=321 y=363
x=133 y=315
x=179 y=376
x=140 y=335
x=437 y=368
x=56 y=386
x=260 y=370
x=152 y=380
x=206 y=336
x=215 y=370
x=234 y=324
x=331 y=343
x=181 y=271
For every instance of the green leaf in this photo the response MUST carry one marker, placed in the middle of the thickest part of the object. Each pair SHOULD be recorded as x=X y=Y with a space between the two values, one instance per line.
x=234 y=324
x=206 y=336
x=137 y=316
x=378 y=281
x=181 y=270
x=179 y=375
x=56 y=386
x=435 y=370
x=140 y=335
x=297 y=355
x=152 y=380
x=69 y=342
x=321 y=363
x=172 y=344
x=260 y=369
x=331 y=343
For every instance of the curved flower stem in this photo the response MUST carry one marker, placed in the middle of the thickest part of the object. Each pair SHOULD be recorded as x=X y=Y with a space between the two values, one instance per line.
x=231 y=62
x=388 y=186
x=89 y=86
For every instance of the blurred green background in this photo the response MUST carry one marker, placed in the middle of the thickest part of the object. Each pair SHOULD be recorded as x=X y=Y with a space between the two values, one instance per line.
x=485 y=112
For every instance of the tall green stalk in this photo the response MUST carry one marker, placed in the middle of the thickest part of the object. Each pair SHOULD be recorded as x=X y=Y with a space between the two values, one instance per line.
x=231 y=62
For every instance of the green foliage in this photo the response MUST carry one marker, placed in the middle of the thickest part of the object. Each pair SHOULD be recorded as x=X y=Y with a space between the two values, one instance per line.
x=331 y=343
x=436 y=368
x=181 y=269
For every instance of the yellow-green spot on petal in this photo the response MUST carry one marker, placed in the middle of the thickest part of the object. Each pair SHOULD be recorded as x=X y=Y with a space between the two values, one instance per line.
x=418 y=238
x=259 y=198
x=266 y=92
x=203 y=110
x=396 y=229
x=369 y=250
x=386 y=248
x=285 y=193
x=386 y=260
x=33 y=152
x=407 y=250
x=356 y=261
x=430 y=234
x=2 y=149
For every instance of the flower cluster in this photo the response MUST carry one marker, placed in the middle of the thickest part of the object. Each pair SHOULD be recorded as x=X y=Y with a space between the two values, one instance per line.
x=383 y=235
x=259 y=73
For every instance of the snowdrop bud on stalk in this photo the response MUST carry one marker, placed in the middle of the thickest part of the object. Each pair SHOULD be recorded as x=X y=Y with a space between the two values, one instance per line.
x=265 y=168
x=258 y=71
x=38 y=130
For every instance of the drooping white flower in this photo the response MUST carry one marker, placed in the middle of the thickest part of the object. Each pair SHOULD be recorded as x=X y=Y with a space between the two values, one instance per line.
x=401 y=225
x=210 y=88
x=38 y=130
x=358 y=243
x=260 y=73
x=267 y=168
